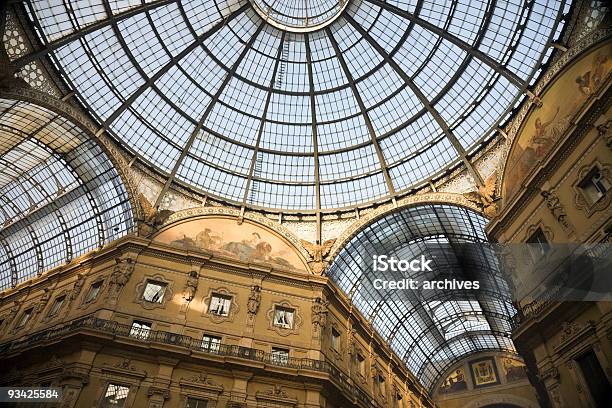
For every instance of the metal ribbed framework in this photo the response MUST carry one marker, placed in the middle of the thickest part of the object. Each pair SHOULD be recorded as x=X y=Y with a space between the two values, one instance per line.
x=430 y=330
x=60 y=195
x=375 y=99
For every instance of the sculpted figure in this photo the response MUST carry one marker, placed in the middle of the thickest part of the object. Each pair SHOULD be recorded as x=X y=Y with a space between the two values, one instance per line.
x=254 y=300
x=319 y=313
x=191 y=286
x=556 y=208
x=120 y=276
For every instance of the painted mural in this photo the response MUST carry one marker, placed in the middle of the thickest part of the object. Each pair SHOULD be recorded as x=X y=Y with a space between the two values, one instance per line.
x=247 y=241
x=454 y=382
x=544 y=126
x=514 y=369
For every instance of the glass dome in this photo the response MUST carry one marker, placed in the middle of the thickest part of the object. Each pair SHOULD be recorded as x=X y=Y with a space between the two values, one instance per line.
x=299 y=105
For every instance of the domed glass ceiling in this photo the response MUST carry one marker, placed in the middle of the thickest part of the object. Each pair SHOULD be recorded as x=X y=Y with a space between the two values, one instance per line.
x=299 y=105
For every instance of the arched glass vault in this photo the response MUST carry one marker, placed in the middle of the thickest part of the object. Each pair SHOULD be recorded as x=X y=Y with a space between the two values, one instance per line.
x=279 y=105
x=60 y=195
x=429 y=330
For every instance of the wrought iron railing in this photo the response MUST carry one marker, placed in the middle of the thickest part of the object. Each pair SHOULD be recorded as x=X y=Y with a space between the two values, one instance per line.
x=109 y=327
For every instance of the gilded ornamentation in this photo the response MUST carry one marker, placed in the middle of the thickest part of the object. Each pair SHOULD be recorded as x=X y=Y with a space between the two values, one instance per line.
x=485 y=196
x=126 y=364
x=556 y=209
x=318 y=255
x=200 y=378
x=152 y=218
x=13 y=311
x=552 y=372
x=164 y=392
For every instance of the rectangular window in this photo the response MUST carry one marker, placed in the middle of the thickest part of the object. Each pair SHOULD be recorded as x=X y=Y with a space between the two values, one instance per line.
x=361 y=364
x=220 y=304
x=594 y=185
x=538 y=244
x=280 y=356
x=115 y=396
x=283 y=317
x=57 y=305
x=92 y=294
x=140 y=330
x=196 y=403
x=154 y=291
x=596 y=379
x=211 y=344
x=335 y=339
x=25 y=318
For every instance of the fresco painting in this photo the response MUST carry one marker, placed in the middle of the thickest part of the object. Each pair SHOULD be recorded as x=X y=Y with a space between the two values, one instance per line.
x=247 y=241
x=544 y=126
x=454 y=382
x=514 y=369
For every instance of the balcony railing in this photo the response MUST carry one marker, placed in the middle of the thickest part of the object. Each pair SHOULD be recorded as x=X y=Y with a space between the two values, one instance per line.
x=109 y=327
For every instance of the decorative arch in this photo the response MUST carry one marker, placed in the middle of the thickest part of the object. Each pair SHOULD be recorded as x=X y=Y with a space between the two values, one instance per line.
x=238 y=227
x=433 y=333
x=384 y=210
x=75 y=116
x=61 y=193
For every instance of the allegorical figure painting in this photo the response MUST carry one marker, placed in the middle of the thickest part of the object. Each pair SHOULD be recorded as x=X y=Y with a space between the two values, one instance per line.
x=246 y=241
x=454 y=382
x=514 y=370
x=484 y=372
x=544 y=126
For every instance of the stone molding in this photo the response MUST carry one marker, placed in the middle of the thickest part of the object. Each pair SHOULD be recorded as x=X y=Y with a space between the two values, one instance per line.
x=234 y=308
x=580 y=200
x=297 y=318
x=139 y=292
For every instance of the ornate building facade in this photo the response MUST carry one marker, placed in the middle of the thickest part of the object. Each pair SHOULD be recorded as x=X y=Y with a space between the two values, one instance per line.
x=192 y=193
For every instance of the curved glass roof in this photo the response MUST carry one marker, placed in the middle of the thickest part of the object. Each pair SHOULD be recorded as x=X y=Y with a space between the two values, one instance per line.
x=297 y=105
x=430 y=329
x=60 y=196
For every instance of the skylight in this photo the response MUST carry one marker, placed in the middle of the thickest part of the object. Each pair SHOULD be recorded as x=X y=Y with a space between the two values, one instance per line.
x=293 y=105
